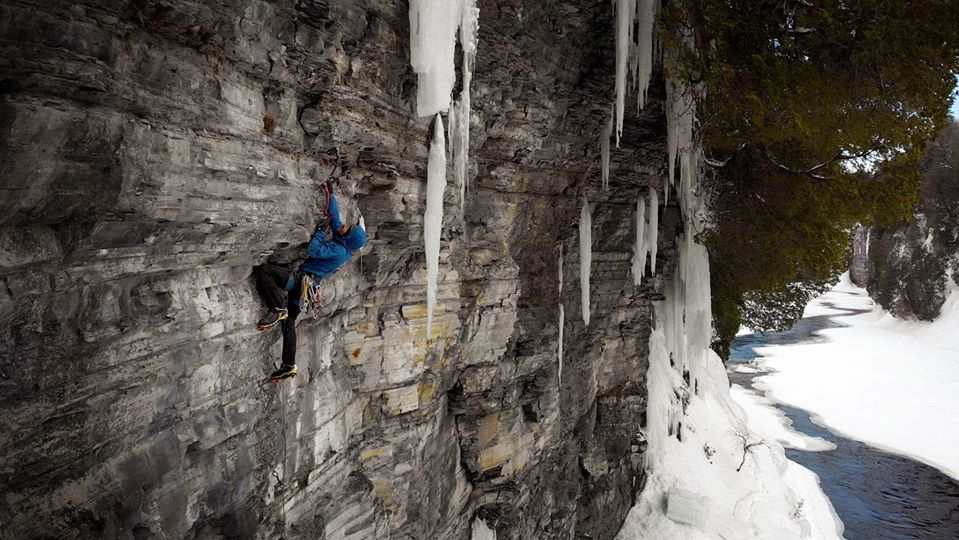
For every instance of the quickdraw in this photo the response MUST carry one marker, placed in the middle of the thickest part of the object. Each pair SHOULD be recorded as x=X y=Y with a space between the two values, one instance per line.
x=311 y=298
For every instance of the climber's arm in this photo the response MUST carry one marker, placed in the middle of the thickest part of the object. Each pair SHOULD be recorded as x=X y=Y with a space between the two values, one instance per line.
x=336 y=223
x=321 y=248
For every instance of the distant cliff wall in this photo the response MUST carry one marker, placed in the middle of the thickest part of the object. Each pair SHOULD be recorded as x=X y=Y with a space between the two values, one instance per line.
x=906 y=268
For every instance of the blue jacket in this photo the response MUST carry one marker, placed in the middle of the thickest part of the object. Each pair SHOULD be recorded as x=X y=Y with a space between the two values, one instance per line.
x=328 y=253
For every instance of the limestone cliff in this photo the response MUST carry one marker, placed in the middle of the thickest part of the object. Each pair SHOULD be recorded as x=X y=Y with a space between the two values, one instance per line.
x=906 y=267
x=153 y=151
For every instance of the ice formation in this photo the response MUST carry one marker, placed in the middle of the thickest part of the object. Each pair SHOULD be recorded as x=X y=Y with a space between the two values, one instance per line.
x=634 y=52
x=693 y=426
x=680 y=113
x=585 y=256
x=460 y=114
x=639 y=246
x=433 y=30
x=562 y=319
x=433 y=217
x=652 y=238
x=433 y=26
x=604 y=151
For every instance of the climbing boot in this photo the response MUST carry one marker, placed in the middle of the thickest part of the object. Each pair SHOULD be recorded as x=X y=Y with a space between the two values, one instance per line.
x=271 y=319
x=285 y=372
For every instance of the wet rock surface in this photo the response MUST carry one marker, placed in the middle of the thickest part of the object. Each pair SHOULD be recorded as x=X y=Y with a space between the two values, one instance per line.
x=906 y=267
x=151 y=153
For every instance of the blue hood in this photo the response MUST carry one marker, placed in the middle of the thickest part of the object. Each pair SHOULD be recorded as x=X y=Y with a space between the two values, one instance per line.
x=355 y=239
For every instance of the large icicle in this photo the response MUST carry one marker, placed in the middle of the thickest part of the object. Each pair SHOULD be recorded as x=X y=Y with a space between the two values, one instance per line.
x=460 y=115
x=585 y=256
x=433 y=26
x=639 y=246
x=645 y=21
x=433 y=217
x=652 y=240
x=625 y=13
x=562 y=318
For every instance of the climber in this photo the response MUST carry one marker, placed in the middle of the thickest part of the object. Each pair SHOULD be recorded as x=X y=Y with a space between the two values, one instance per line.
x=282 y=285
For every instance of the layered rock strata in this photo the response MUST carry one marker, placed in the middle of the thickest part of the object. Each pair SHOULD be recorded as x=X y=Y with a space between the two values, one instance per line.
x=153 y=152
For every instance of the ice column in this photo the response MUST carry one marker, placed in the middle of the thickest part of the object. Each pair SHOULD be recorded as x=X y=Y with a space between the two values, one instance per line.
x=639 y=247
x=652 y=240
x=562 y=317
x=433 y=218
x=585 y=256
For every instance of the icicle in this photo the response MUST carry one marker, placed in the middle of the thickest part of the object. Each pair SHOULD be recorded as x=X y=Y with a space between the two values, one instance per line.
x=433 y=217
x=625 y=11
x=562 y=317
x=585 y=256
x=653 y=230
x=469 y=31
x=645 y=19
x=639 y=246
x=604 y=151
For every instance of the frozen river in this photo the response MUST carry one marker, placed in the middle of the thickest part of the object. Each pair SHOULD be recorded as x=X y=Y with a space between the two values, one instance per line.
x=877 y=494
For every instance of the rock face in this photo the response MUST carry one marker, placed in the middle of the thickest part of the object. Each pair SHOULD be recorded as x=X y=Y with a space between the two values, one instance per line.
x=906 y=267
x=152 y=152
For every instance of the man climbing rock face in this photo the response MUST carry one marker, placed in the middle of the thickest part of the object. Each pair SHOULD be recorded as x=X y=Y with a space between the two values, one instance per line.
x=284 y=287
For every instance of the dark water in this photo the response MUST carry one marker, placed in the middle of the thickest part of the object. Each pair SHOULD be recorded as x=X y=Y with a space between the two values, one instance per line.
x=876 y=494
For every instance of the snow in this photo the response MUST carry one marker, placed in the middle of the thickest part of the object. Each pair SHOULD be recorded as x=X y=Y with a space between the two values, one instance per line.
x=585 y=256
x=652 y=241
x=771 y=423
x=771 y=497
x=433 y=217
x=639 y=245
x=562 y=319
x=888 y=382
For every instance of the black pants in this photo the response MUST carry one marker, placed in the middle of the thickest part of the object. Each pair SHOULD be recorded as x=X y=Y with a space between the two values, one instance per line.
x=271 y=280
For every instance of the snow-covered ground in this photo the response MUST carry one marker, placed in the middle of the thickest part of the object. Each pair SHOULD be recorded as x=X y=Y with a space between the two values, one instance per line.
x=888 y=382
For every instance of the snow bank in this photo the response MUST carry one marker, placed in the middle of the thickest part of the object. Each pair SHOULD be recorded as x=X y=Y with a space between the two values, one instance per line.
x=885 y=381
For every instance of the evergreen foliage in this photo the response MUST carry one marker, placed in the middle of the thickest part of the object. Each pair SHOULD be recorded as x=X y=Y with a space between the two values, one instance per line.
x=815 y=117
